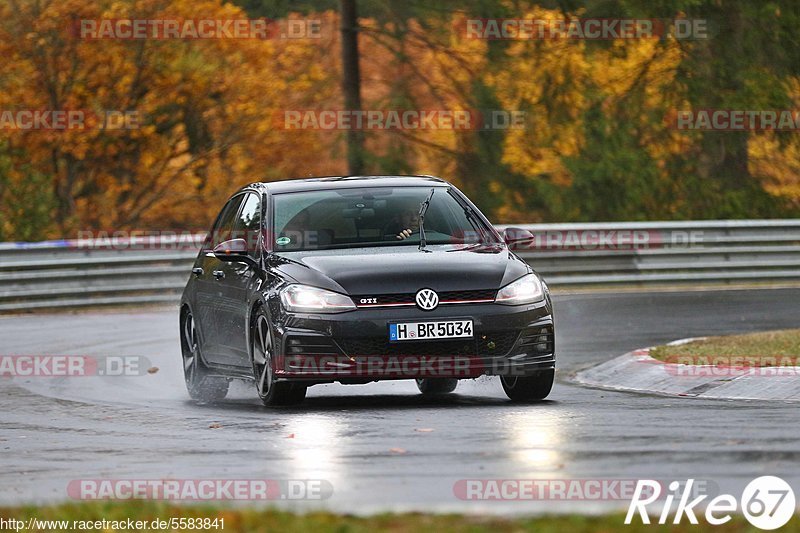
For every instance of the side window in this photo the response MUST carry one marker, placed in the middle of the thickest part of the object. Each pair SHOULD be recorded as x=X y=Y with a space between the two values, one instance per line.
x=248 y=223
x=223 y=228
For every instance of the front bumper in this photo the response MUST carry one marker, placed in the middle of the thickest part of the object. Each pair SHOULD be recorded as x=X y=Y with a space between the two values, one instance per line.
x=354 y=346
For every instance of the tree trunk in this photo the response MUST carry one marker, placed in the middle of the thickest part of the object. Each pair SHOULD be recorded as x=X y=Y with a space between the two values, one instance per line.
x=351 y=83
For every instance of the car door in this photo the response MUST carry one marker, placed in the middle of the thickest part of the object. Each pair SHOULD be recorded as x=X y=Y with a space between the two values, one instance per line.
x=239 y=281
x=210 y=308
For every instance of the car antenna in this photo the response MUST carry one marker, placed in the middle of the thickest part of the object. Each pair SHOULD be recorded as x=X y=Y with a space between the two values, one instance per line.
x=423 y=208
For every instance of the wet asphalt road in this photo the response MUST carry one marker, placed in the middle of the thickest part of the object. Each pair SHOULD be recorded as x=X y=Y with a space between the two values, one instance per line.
x=363 y=439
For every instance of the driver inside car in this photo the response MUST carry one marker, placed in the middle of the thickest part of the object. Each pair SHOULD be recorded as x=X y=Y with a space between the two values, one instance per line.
x=405 y=224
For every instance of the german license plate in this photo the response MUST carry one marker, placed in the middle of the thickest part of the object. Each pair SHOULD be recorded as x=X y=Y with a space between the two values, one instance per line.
x=420 y=331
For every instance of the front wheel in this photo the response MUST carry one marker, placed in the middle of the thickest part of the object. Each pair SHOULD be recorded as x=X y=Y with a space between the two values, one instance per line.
x=528 y=389
x=202 y=387
x=270 y=392
x=436 y=385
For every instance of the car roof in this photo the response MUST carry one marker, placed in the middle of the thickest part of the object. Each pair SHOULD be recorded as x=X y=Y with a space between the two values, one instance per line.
x=344 y=182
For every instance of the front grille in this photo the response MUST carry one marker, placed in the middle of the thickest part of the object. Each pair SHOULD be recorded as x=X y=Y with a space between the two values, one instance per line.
x=310 y=345
x=409 y=298
x=485 y=345
x=467 y=295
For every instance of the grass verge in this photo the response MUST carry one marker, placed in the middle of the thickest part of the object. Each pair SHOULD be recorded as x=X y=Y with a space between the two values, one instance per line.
x=765 y=349
x=253 y=520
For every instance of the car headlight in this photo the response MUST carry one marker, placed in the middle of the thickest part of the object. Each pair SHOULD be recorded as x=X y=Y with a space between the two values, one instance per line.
x=304 y=299
x=526 y=290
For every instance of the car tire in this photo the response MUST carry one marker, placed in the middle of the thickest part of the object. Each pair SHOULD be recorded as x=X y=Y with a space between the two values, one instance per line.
x=436 y=385
x=272 y=393
x=202 y=386
x=530 y=388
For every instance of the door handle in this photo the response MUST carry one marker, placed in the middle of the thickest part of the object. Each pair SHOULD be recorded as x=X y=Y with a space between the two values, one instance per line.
x=198 y=271
x=219 y=274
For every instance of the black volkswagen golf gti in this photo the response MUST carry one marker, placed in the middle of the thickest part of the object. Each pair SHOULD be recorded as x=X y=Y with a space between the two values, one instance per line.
x=359 y=279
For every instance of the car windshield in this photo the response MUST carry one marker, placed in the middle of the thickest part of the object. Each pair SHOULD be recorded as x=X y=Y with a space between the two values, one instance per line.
x=374 y=216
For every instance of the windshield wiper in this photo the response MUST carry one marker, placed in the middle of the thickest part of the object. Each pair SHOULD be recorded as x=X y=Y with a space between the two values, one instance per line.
x=423 y=208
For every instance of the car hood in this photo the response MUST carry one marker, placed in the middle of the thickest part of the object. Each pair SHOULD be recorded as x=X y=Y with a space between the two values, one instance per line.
x=406 y=269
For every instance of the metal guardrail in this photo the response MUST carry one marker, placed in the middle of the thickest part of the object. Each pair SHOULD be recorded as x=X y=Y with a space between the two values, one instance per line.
x=79 y=273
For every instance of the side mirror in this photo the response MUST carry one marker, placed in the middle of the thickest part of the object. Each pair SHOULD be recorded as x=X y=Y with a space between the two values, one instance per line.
x=234 y=251
x=517 y=235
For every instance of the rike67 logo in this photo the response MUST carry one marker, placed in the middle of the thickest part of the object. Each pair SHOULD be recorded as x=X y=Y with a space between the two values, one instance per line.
x=767 y=502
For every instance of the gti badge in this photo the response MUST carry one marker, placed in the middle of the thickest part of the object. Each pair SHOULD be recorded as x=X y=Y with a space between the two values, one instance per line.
x=427 y=300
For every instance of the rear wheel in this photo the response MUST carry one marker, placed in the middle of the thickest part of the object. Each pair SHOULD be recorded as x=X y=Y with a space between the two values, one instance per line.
x=528 y=389
x=269 y=391
x=436 y=385
x=201 y=386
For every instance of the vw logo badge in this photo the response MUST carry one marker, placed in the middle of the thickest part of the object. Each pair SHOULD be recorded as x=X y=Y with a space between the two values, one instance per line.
x=427 y=300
